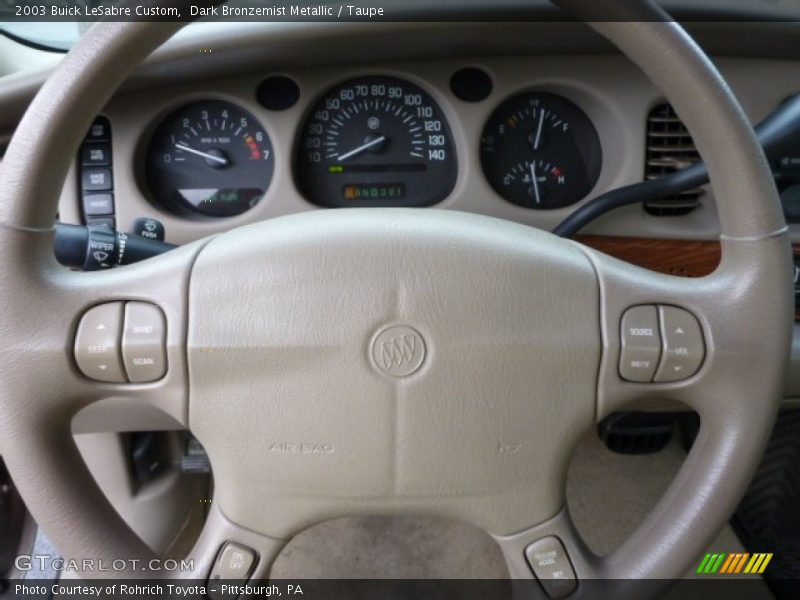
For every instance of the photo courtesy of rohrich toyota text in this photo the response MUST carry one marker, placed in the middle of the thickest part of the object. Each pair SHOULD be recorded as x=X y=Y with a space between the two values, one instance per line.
x=383 y=299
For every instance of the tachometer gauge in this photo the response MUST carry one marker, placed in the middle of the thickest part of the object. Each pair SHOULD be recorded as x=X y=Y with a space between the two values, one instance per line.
x=540 y=151
x=209 y=157
x=376 y=141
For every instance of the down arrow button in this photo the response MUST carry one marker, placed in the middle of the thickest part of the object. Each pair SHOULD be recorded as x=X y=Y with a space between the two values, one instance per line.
x=683 y=348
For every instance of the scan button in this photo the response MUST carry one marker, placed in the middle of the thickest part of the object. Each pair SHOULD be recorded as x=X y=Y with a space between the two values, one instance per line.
x=144 y=342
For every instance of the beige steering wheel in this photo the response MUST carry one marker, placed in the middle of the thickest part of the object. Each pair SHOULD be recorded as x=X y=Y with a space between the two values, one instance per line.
x=396 y=361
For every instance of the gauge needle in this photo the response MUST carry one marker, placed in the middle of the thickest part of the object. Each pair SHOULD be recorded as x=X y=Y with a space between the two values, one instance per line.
x=361 y=148
x=538 y=139
x=219 y=159
x=535 y=183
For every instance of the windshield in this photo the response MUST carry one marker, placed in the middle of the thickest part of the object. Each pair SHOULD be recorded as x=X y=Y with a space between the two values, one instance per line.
x=55 y=37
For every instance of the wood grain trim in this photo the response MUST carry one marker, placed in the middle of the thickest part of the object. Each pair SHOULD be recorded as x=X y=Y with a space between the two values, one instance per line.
x=674 y=257
x=684 y=258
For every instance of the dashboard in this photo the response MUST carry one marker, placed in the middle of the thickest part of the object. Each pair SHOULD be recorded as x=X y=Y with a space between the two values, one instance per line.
x=278 y=77
x=526 y=139
x=371 y=141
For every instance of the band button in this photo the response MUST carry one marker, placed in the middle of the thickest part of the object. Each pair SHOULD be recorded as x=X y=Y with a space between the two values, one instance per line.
x=144 y=342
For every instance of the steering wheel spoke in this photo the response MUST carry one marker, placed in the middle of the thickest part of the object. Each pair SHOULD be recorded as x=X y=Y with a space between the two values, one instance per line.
x=146 y=307
x=113 y=342
x=551 y=561
x=672 y=342
x=45 y=387
x=551 y=553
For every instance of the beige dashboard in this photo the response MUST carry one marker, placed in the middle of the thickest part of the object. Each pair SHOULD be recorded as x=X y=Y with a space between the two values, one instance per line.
x=612 y=92
x=759 y=61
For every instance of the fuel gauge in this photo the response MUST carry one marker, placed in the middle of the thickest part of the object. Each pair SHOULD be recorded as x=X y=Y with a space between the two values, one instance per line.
x=540 y=151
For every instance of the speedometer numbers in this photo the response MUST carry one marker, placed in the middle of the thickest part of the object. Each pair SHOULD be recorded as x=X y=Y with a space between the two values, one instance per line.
x=375 y=141
x=540 y=151
x=210 y=158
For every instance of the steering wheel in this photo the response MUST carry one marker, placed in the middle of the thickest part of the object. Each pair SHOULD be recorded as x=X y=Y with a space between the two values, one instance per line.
x=394 y=361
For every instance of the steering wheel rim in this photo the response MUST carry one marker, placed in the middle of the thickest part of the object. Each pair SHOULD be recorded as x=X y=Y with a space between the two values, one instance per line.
x=744 y=310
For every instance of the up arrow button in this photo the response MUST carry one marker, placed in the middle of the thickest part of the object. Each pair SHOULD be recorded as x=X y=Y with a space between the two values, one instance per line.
x=97 y=343
x=683 y=348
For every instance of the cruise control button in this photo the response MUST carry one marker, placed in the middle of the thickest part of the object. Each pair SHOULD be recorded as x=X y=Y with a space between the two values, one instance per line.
x=683 y=345
x=641 y=344
x=550 y=564
x=235 y=562
x=144 y=342
x=97 y=343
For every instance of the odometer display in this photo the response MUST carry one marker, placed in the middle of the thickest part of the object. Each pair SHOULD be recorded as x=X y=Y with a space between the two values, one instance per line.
x=375 y=141
x=209 y=157
x=374 y=191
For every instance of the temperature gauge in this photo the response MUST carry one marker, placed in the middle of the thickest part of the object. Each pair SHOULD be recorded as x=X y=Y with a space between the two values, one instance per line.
x=537 y=180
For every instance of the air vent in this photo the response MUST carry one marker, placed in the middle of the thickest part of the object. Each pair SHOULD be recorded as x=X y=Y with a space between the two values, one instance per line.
x=669 y=149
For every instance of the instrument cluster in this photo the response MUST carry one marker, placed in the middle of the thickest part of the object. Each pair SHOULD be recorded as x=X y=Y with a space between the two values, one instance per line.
x=371 y=141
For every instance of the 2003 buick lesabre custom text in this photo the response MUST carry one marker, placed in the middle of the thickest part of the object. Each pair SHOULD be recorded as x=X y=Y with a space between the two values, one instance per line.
x=99 y=11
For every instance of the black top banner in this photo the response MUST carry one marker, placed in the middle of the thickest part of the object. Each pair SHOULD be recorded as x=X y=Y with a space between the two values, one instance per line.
x=32 y=11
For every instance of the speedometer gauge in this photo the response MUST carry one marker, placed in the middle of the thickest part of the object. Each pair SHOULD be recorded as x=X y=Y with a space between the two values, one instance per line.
x=211 y=158
x=376 y=141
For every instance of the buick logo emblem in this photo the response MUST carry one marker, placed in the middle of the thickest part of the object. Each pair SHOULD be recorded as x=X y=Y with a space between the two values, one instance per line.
x=398 y=351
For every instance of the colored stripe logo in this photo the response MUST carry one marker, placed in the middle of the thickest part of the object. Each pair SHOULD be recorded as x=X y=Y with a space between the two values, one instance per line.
x=734 y=563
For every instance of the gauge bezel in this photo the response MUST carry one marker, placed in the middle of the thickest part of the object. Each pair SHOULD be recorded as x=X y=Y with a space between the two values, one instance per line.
x=584 y=127
x=159 y=120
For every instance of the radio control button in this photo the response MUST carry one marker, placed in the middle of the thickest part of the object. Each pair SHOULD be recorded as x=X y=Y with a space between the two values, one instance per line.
x=144 y=342
x=97 y=343
x=641 y=344
x=683 y=348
